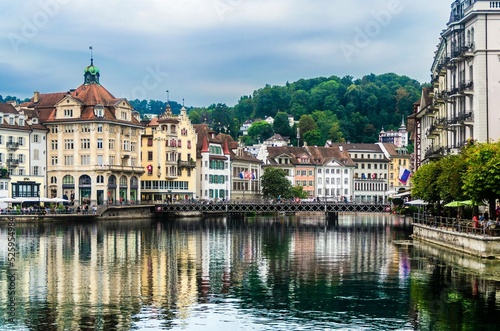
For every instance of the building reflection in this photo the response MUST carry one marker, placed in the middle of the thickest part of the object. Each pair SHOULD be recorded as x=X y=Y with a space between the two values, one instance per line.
x=111 y=275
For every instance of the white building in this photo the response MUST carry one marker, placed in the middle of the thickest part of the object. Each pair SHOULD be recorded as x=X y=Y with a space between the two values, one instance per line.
x=465 y=96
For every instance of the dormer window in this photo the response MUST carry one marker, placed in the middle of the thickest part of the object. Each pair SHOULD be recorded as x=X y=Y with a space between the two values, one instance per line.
x=99 y=110
x=68 y=112
x=11 y=120
x=21 y=122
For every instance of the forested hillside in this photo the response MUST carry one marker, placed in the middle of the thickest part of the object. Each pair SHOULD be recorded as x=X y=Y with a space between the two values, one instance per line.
x=340 y=109
x=333 y=108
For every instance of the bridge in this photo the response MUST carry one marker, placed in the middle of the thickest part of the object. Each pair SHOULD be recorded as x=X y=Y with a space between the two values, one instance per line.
x=267 y=207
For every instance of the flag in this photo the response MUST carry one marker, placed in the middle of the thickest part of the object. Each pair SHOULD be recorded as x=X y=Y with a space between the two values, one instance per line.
x=404 y=174
x=242 y=175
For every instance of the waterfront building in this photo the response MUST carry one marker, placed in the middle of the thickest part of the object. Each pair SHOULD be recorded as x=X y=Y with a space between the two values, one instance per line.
x=213 y=165
x=22 y=154
x=245 y=171
x=464 y=98
x=371 y=172
x=93 y=143
x=334 y=173
x=283 y=158
x=168 y=152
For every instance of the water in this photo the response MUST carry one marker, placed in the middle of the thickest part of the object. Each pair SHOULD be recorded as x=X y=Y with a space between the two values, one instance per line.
x=261 y=273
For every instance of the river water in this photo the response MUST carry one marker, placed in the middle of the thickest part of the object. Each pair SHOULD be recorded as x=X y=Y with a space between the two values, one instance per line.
x=257 y=273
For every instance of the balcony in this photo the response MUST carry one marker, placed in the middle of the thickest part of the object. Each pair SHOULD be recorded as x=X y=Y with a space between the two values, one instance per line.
x=119 y=168
x=12 y=146
x=434 y=153
x=12 y=162
x=186 y=164
x=466 y=87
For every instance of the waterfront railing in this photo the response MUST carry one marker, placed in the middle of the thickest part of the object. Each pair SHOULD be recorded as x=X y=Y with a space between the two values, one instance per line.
x=456 y=225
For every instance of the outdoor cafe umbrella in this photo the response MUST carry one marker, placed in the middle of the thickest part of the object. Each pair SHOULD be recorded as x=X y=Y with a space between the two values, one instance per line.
x=455 y=204
x=472 y=203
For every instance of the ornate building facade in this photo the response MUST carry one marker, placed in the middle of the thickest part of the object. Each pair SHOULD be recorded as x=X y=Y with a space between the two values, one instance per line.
x=93 y=143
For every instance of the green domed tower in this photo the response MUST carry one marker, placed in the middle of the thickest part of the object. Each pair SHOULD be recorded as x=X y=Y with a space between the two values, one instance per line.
x=91 y=74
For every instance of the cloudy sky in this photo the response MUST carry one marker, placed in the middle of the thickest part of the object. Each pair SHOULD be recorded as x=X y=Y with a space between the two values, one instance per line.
x=210 y=51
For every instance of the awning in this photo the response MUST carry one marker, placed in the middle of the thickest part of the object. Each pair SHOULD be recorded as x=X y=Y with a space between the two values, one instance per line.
x=402 y=195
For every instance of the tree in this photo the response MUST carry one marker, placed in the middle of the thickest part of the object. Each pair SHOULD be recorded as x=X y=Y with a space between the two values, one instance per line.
x=281 y=125
x=298 y=192
x=425 y=185
x=450 y=182
x=274 y=183
x=306 y=124
x=313 y=138
x=482 y=173
x=260 y=129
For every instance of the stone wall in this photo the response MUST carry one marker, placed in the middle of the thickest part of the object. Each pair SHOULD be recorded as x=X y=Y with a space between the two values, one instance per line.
x=474 y=244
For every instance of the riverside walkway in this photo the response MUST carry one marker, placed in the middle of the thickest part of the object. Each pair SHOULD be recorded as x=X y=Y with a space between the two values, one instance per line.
x=268 y=207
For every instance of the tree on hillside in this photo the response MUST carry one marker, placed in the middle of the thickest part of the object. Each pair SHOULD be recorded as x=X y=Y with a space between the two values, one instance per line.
x=260 y=130
x=306 y=124
x=281 y=125
x=313 y=138
x=274 y=183
x=221 y=117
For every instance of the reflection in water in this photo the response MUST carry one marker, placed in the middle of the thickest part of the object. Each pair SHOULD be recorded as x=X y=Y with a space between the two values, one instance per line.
x=261 y=273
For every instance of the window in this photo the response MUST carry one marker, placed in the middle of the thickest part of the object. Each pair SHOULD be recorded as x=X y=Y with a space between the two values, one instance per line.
x=99 y=143
x=111 y=159
x=20 y=141
x=53 y=160
x=85 y=128
x=126 y=145
x=85 y=143
x=150 y=141
x=35 y=171
x=67 y=128
x=298 y=173
x=100 y=179
x=123 y=115
x=99 y=127
x=85 y=160
x=53 y=180
x=189 y=144
x=68 y=112
x=20 y=171
x=53 y=129
x=35 y=138
x=20 y=157
x=111 y=144
x=11 y=120
x=133 y=145
x=68 y=160
x=53 y=144
x=310 y=173
x=68 y=179
x=68 y=144
x=150 y=156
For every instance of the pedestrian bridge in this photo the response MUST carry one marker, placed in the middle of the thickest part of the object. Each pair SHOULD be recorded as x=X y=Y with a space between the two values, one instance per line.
x=267 y=207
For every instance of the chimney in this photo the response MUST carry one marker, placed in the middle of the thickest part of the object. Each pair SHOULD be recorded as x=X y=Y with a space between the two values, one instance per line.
x=36 y=96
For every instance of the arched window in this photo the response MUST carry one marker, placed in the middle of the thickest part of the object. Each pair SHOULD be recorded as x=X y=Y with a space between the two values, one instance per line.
x=68 y=179
x=85 y=180
x=53 y=180
x=100 y=179
x=123 y=181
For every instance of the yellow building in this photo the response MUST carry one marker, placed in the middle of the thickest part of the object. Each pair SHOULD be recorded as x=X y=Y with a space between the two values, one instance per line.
x=168 y=154
x=92 y=143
